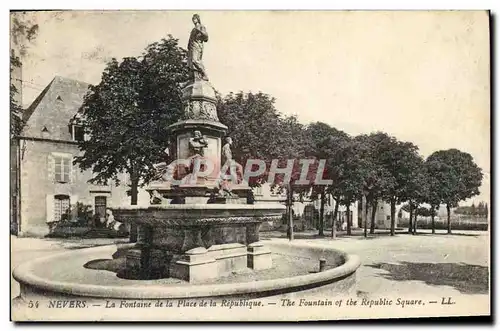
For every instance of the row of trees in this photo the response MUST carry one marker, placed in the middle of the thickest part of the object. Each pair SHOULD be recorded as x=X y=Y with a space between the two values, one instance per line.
x=481 y=210
x=137 y=99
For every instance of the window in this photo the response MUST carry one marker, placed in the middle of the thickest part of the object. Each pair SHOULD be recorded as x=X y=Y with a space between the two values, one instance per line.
x=78 y=133
x=388 y=217
x=61 y=208
x=62 y=169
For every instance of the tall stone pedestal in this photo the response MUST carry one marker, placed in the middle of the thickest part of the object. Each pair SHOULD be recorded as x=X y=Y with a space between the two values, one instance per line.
x=200 y=114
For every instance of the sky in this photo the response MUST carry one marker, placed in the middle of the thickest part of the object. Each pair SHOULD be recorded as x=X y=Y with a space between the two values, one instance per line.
x=419 y=76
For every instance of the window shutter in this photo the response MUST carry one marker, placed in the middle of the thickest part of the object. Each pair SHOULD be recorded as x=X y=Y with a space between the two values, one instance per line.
x=72 y=174
x=66 y=169
x=51 y=165
x=73 y=201
x=49 y=202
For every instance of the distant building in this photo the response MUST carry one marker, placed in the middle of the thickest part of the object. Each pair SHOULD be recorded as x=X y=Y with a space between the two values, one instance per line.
x=382 y=215
x=307 y=211
x=47 y=186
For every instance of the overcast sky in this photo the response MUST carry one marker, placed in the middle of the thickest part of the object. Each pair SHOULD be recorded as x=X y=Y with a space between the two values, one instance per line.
x=420 y=76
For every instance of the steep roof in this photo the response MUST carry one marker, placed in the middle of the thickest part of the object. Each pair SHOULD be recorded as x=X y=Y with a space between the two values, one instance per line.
x=50 y=114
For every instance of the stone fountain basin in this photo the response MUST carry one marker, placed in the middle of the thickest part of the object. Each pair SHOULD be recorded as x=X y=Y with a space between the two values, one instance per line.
x=64 y=276
x=179 y=228
x=199 y=214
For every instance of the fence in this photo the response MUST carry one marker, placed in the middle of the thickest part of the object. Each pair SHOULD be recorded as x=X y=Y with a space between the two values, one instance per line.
x=457 y=223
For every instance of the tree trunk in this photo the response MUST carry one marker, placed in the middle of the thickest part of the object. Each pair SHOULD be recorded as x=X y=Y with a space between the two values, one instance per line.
x=410 y=222
x=348 y=214
x=322 y=214
x=393 y=217
x=432 y=219
x=334 y=221
x=134 y=192
x=374 y=213
x=449 y=219
x=290 y=212
x=415 y=221
x=364 y=214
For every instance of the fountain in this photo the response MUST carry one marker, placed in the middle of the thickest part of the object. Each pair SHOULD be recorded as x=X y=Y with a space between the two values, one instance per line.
x=201 y=227
x=200 y=235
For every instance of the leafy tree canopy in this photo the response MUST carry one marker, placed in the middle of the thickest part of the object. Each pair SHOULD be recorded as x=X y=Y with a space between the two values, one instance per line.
x=260 y=132
x=127 y=114
x=457 y=177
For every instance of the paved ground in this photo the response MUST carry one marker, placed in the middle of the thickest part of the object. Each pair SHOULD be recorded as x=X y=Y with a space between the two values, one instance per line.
x=404 y=265
x=25 y=249
x=441 y=264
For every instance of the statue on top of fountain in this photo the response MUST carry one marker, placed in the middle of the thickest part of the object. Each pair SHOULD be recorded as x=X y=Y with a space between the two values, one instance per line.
x=198 y=36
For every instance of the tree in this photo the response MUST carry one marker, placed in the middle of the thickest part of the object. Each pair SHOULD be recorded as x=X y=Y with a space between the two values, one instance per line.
x=127 y=114
x=416 y=188
x=23 y=30
x=16 y=109
x=459 y=177
x=401 y=163
x=353 y=175
x=293 y=148
x=326 y=143
x=261 y=132
x=433 y=181
x=480 y=210
x=376 y=175
x=472 y=209
x=258 y=130
x=23 y=33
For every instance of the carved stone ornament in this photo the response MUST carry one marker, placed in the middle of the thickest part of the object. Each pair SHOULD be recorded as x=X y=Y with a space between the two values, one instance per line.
x=200 y=110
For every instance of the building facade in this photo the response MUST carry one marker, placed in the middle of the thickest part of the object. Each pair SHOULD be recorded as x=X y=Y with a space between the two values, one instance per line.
x=48 y=188
x=382 y=215
x=306 y=213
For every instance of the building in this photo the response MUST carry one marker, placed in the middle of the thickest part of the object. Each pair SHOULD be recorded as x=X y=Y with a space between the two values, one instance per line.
x=306 y=213
x=47 y=186
x=382 y=215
